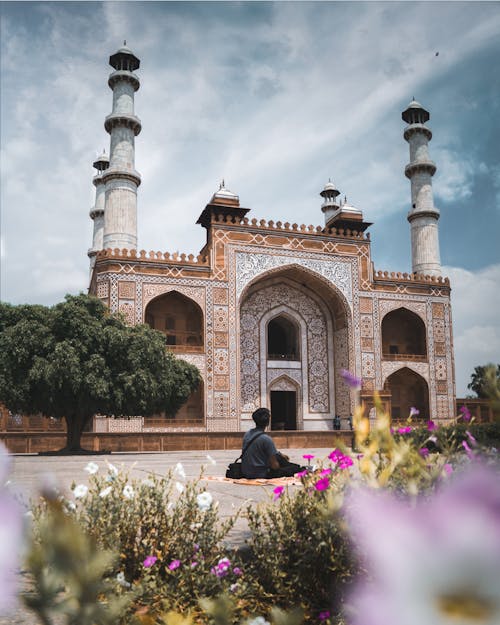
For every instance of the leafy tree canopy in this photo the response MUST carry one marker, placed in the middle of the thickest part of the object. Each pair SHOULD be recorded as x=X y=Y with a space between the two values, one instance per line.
x=484 y=379
x=75 y=359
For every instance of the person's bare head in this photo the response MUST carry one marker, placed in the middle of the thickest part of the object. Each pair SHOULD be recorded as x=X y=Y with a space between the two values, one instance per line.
x=261 y=416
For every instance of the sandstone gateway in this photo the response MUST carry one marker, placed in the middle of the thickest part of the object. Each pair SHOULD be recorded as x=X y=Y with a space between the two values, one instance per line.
x=272 y=312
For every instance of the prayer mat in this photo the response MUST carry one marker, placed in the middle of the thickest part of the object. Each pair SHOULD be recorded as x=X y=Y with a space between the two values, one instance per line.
x=275 y=481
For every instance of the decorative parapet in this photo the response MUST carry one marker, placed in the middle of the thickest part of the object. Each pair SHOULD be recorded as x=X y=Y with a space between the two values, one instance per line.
x=262 y=224
x=418 y=278
x=164 y=257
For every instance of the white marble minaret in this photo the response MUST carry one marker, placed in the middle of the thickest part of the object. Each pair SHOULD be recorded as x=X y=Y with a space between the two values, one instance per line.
x=97 y=211
x=121 y=179
x=423 y=216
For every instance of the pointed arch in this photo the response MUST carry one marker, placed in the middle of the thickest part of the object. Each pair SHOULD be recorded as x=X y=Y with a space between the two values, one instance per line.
x=408 y=390
x=179 y=318
x=404 y=335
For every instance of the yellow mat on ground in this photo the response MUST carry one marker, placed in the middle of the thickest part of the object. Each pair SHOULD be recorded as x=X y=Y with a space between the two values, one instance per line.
x=276 y=481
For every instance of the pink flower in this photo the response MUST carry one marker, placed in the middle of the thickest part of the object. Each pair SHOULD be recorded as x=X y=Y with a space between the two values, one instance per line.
x=431 y=426
x=424 y=452
x=471 y=438
x=346 y=462
x=447 y=469
x=278 y=491
x=324 y=616
x=350 y=379
x=414 y=411
x=237 y=570
x=221 y=569
x=193 y=564
x=405 y=430
x=421 y=560
x=308 y=456
x=335 y=455
x=175 y=564
x=322 y=484
x=465 y=413
x=468 y=450
x=325 y=472
x=149 y=561
x=301 y=473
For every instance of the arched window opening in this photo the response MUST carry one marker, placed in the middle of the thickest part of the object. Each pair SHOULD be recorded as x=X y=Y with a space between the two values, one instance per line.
x=408 y=390
x=180 y=319
x=403 y=336
x=190 y=413
x=282 y=339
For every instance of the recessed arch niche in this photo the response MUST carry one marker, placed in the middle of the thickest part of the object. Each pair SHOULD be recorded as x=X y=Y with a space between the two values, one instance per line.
x=403 y=334
x=408 y=389
x=180 y=319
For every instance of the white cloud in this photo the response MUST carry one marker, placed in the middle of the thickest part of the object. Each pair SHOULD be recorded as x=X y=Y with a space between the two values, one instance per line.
x=476 y=323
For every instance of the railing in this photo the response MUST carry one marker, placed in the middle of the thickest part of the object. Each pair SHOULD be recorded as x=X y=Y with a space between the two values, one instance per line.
x=283 y=357
x=186 y=349
x=412 y=357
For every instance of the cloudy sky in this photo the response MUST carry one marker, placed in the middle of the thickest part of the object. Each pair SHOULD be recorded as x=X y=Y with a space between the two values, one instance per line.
x=274 y=97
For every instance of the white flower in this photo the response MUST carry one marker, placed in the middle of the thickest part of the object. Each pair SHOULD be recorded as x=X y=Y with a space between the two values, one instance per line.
x=179 y=471
x=258 y=620
x=179 y=487
x=195 y=526
x=210 y=459
x=128 y=491
x=147 y=482
x=105 y=492
x=204 y=500
x=70 y=505
x=120 y=578
x=91 y=468
x=112 y=470
x=80 y=491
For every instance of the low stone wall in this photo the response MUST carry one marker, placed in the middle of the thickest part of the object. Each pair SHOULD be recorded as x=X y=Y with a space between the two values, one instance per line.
x=34 y=442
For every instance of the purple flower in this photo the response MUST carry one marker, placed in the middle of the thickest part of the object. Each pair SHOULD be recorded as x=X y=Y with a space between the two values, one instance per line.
x=447 y=469
x=193 y=564
x=308 y=456
x=350 y=379
x=431 y=426
x=468 y=450
x=323 y=616
x=424 y=452
x=149 y=561
x=414 y=412
x=423 y=565
x=301 y=473
x=237 y=570
x=278 y=491
x=404 y=430
x=465 y=413
x=221 y=569
x=175 y=564
x=471 y=438
x=322 y=484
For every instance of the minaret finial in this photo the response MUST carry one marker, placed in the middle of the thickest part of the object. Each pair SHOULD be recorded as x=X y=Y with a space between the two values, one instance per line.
x=124 y=42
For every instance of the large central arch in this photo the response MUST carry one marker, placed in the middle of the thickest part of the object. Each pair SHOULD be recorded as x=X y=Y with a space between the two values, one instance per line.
x=316 y=318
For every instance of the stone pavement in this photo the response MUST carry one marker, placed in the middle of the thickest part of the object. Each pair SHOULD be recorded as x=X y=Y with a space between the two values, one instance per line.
x=30 y=471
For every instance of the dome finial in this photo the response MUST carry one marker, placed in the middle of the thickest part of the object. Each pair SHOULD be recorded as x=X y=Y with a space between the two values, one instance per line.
x=124 y=42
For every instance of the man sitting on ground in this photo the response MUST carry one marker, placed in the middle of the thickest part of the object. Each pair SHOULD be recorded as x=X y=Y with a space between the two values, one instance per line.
x=262 y=459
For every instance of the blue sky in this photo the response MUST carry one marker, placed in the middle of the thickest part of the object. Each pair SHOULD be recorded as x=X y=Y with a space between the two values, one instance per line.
x=274 y=97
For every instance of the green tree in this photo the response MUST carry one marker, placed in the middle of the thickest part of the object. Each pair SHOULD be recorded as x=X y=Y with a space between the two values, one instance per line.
x=75 y=359
x=483 y=378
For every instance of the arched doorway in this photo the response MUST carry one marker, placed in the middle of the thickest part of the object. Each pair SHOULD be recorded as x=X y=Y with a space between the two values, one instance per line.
x=294 y=323
x=180 y=319
x=284 y=404
x=403 y=336
x=408 y=389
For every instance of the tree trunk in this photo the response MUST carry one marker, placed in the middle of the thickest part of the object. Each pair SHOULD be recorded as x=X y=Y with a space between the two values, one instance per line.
x=74 y=428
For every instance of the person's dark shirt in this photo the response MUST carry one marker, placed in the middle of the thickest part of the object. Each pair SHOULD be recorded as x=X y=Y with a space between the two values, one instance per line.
x=255 y=462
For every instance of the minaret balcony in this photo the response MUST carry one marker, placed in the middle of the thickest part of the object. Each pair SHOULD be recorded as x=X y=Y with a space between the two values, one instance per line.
x=416 y=167
x=128 y=121
x=413 y=129
x=129 y=174
x=123 y=75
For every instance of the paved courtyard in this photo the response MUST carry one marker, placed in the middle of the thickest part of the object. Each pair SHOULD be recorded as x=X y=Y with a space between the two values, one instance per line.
x=30 y=471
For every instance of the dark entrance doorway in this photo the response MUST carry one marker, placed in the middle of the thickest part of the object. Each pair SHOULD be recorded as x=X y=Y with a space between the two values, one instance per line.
x=283 y=410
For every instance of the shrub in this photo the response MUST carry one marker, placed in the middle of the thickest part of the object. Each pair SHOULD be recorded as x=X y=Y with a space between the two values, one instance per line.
x=300 y=554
